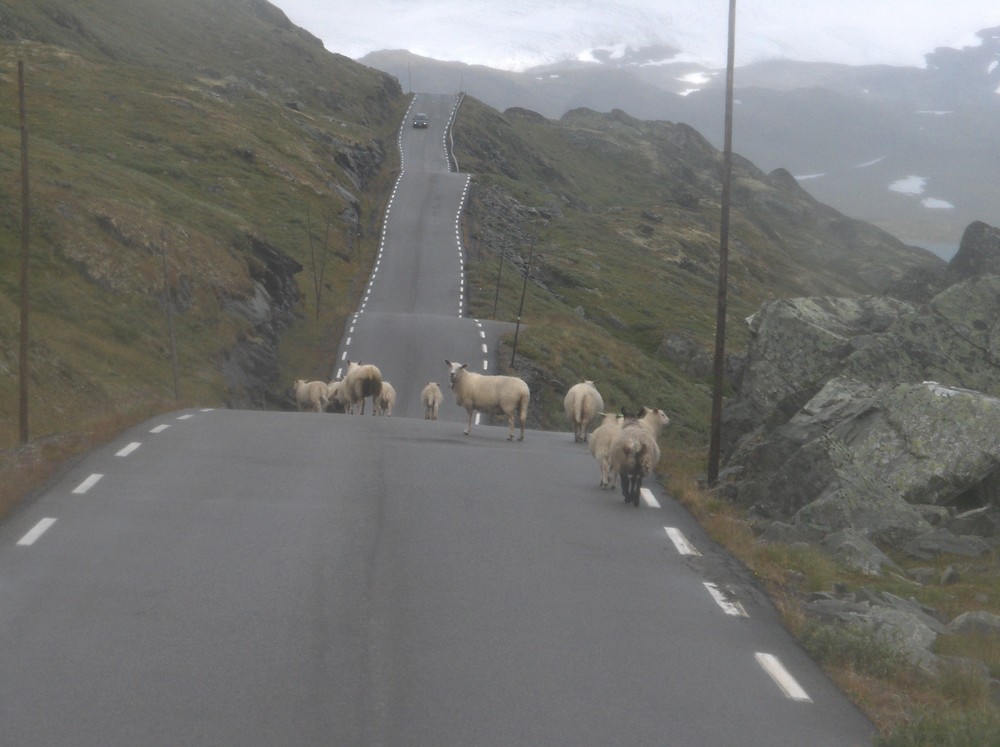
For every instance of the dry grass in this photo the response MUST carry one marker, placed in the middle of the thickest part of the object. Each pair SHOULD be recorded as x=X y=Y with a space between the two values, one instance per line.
x=908 y=708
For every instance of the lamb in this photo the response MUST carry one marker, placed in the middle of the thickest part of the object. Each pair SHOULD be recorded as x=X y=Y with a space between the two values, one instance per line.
x=494 y=394
x=582 y=404
x=431 y=399
x=600 y=446
x=333 y=396
x=311 y=394
x=360 y=382
x=634 y=453
x=386 y=400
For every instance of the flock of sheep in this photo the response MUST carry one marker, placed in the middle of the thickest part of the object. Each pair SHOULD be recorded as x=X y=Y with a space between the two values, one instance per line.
x=624 y=445
x=362 y=381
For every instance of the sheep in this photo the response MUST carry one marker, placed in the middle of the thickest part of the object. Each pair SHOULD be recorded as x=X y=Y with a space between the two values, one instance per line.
x=431 y=399
x=386 y=400
x=334 y=403
x=634 y=453
x=311 y=394
x=494 y=394
x=600 y=446
x=360 y=382
x=582 y=404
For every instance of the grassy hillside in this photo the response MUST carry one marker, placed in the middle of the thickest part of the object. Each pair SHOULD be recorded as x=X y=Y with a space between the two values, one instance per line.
x=206 y=138
x=624 y=216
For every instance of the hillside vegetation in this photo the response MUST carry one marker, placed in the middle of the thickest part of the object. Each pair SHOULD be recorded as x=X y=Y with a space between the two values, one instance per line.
x=215 y=151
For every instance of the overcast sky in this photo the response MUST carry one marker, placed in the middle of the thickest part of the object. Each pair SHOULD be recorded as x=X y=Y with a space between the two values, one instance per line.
x=516 y=34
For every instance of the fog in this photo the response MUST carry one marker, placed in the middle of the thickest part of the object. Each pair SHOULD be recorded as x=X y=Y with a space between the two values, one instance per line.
x=519 y=34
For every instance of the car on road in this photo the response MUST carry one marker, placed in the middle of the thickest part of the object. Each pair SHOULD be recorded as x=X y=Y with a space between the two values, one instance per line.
x=420 y=120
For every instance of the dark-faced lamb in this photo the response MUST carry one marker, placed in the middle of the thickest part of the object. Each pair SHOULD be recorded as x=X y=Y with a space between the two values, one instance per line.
x=507 y=395
x=582 y=404
x=635 y=453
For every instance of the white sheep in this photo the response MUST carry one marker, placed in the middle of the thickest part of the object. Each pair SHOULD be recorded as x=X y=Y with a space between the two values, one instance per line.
x=493 y=394
x=386 y=400
x=431 y=398
x=582 y=404
x=311 y=394
x=634 y=453
x=334 y=403
x=600 y=446
x=360 y=382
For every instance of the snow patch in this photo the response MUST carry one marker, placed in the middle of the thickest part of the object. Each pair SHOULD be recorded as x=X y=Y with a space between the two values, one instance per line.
x=935 y=113
x=911 y=185
x=866 y=164
x=935 y=204
x=804 y=177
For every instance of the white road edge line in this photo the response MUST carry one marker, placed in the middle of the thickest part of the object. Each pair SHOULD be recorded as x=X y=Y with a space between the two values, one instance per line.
x=647 y=495
x=792 y=689
x=733 y=609
x=680 y=542
x=37 y=531
x=87 y=484
x=128 y=449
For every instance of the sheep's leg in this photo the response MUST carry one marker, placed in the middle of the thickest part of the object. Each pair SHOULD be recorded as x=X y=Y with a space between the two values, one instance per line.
x=468 y=427
x=510 y=424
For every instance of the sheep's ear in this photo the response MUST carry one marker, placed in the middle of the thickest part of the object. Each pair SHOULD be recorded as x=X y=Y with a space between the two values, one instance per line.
x=465 y=365
x=642 y=411
x=447 y=363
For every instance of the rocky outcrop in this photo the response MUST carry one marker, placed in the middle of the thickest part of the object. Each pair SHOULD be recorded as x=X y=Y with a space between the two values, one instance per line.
x=251 y=366
x=876 y=416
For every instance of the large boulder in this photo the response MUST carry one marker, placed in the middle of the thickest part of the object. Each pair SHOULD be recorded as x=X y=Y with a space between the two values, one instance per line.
x=876 y=415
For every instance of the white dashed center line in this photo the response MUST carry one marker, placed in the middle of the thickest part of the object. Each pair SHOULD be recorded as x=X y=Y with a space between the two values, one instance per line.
x=87 y=484
x=159 y=428
x=38 y=530
x=128 y=449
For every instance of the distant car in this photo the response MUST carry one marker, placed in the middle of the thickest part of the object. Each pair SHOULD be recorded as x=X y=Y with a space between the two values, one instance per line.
x=420 y=120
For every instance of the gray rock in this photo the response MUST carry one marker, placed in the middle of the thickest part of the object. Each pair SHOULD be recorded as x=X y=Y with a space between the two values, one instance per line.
x=849 y=548
x=976 y=623
x=942 y=542
x=837 y=422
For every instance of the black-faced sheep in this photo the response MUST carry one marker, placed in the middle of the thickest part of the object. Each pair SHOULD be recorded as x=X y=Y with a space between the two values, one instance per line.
x=431 y=398
x=600 y=446
x=582 y=404
x=360 y=382
x=386 y=400
x=634 y=453
x=508 y=395
x=311 y=395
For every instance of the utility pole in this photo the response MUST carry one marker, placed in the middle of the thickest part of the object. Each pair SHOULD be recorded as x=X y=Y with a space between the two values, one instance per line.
x=25 y=232
x=715 y=441
x=524 y=289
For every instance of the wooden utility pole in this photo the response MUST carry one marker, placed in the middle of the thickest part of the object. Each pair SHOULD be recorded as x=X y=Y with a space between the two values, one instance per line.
x=520 y=309
x=25 y=233
x=715 y=441
x=168 y=301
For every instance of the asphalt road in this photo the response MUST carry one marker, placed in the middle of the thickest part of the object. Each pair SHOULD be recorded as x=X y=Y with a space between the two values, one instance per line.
x=218 y=577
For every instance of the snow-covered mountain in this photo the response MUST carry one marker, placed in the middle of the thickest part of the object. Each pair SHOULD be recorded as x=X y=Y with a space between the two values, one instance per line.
x=912 y=149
